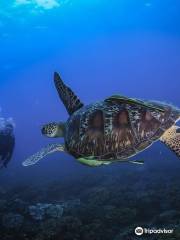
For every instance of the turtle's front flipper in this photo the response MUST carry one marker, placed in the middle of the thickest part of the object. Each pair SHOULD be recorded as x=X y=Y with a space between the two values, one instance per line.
x=92 y=163
x=70 y=100
x=172 y=139
x=42 y=153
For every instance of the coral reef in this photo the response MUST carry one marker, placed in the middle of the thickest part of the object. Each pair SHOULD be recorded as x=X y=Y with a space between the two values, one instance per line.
x=12 y=221
x=104 y=210
x=42 y=210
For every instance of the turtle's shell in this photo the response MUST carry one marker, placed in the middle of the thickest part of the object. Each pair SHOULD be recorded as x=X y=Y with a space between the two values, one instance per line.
x=112 y=130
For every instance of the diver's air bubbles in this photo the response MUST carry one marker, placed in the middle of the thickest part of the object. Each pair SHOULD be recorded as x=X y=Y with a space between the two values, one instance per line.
x=5 y=121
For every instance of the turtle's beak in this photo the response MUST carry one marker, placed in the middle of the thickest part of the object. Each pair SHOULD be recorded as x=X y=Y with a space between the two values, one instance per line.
x=48 y=130
x=44 y=130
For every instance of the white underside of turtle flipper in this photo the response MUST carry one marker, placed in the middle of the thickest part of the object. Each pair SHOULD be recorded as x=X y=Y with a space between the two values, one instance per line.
x=43 y=153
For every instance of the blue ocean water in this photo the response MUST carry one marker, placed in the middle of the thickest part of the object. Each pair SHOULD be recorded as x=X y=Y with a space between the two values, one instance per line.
x=100 y=48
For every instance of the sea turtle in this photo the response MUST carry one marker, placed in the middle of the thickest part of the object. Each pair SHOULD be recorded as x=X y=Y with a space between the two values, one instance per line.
x=111 y=130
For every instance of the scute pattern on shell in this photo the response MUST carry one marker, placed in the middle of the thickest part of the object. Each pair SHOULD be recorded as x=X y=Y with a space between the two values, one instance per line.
x=116 y=131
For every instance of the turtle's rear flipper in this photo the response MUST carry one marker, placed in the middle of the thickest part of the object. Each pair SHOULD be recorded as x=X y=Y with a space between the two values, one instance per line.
x=70 y=100
x=42 y=153
x=172 y=139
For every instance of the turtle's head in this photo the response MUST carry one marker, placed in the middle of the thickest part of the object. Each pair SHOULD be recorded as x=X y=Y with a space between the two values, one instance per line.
x=53 y=130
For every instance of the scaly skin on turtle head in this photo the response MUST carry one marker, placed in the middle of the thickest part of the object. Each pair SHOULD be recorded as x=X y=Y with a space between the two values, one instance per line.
x=53 y=130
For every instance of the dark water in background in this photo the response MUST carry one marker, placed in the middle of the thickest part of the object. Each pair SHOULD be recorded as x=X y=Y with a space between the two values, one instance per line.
x=100 y=48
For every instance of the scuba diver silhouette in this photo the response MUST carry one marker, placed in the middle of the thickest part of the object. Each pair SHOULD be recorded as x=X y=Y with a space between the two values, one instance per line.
x=7 y=143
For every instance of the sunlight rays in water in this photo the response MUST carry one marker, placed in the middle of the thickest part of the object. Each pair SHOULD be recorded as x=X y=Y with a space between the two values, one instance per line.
x=45 y=4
